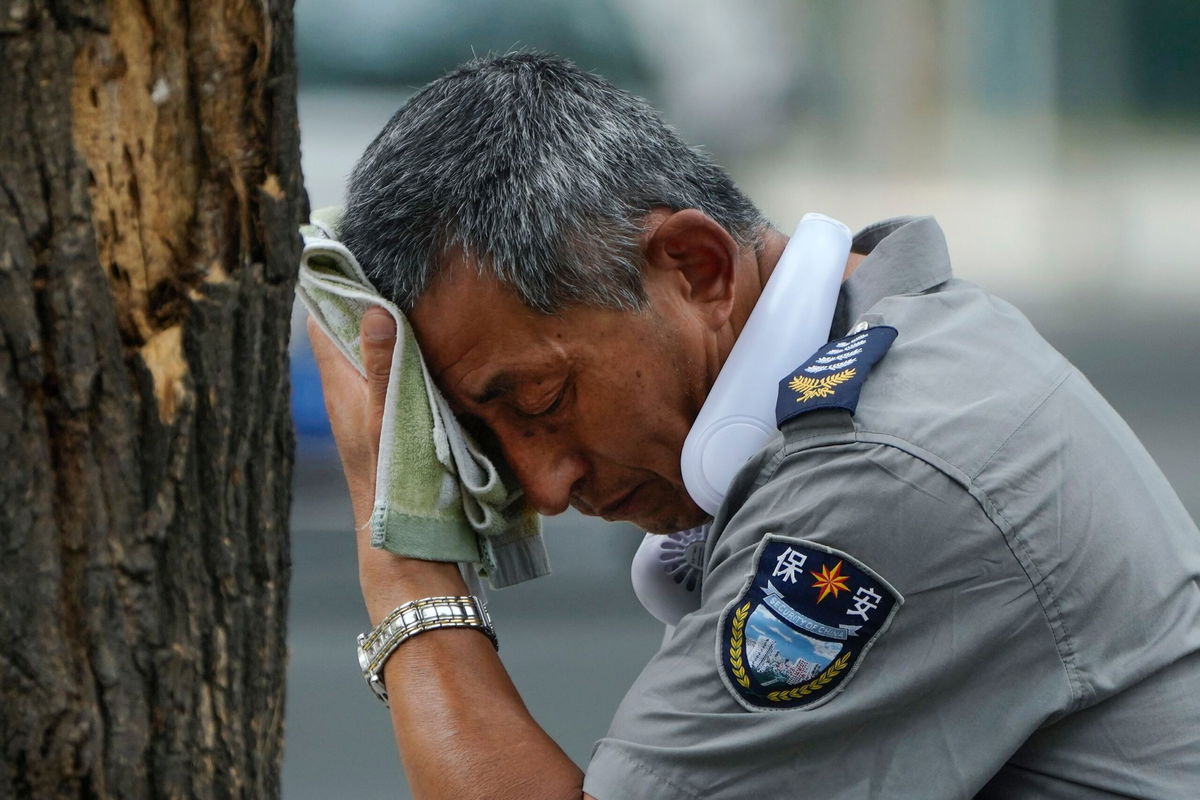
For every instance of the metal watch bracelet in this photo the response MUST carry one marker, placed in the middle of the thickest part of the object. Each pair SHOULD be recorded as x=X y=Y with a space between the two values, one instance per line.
x=411 y=618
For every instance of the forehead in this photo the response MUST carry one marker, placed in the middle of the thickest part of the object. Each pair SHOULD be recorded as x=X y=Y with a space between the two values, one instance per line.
x=469 y=323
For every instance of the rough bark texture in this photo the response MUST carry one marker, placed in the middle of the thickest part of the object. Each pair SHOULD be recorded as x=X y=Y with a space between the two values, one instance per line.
x=149 y=196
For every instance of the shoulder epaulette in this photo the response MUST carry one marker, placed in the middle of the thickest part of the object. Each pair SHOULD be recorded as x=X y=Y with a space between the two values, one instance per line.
x=833 y=377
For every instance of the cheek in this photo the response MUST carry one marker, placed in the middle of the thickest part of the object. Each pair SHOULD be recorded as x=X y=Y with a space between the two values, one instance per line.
x=637 y=419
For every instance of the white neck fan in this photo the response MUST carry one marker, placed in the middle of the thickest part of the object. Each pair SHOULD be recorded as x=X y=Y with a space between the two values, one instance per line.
x=789 y=322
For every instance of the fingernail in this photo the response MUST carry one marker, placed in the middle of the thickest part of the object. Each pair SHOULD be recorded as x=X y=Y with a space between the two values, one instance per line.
x=379 y=326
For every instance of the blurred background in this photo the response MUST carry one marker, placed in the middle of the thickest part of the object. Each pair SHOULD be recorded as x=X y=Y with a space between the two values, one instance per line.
x=1056 y=141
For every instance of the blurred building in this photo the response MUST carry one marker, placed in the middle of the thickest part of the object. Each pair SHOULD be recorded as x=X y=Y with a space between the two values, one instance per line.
x=1051 y=119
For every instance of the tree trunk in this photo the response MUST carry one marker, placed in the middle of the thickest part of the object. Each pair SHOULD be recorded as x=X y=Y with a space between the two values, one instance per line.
x=149 y=195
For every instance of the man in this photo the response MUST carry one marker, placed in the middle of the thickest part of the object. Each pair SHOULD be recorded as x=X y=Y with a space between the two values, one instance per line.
x=956 y=573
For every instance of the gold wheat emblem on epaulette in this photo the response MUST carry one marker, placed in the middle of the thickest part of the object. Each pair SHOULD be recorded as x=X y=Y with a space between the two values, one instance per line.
x=737 y=666
x=820 y=682
x=808 y=388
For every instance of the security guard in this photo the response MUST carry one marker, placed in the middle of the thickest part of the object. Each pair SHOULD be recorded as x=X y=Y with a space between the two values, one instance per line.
x=1023 y=580
x=956 y=573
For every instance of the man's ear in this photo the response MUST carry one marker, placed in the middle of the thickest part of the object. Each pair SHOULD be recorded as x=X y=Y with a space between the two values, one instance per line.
x=690 y=255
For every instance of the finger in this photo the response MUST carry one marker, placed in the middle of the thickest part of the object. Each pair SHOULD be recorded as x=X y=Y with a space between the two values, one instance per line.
x=377 y=343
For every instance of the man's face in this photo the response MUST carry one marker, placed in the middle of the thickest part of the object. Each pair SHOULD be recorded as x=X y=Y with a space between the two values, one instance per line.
x=590 y=407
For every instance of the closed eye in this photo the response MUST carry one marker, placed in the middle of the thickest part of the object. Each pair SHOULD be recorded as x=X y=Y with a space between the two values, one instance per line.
x=554 y=405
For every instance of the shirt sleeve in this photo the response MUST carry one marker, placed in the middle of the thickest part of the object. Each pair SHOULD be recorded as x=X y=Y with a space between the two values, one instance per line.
x=964 y=672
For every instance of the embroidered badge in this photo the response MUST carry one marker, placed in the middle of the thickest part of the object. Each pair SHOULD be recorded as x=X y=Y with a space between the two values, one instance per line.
x=834 y=376
x=802 y=625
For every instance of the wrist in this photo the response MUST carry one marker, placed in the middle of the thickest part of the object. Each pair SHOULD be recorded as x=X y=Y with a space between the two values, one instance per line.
x=376 y=647
x=388 y=581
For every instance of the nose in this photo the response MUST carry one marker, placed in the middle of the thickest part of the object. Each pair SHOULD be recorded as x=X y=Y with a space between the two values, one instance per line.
x=547 y=471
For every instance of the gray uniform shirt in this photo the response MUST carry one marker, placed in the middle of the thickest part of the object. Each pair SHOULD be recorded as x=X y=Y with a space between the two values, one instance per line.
x=1045 y=639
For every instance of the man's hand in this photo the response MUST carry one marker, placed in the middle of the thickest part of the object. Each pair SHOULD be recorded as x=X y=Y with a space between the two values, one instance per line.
x=354 y=404
x=452 y=744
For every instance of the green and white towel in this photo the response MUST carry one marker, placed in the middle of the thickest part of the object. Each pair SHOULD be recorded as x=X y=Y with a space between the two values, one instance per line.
x=438 y=496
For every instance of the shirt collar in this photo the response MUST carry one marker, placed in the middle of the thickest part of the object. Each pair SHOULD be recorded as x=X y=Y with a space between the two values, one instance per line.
x=905 y=255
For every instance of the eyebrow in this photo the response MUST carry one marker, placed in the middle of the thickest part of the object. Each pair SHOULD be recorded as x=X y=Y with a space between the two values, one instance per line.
x=498 y=385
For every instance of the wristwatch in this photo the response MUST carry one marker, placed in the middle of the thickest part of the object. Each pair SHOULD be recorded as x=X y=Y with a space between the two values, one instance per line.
x=411 y=618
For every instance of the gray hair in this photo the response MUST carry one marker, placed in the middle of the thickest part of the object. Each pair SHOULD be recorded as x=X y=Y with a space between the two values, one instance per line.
x=534 y=170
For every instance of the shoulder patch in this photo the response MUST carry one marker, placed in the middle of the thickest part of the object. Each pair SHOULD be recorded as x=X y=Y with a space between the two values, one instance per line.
x=834 y=376
x=801 y=626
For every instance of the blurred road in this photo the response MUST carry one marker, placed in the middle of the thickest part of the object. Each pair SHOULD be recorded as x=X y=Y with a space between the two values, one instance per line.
x=572 y=642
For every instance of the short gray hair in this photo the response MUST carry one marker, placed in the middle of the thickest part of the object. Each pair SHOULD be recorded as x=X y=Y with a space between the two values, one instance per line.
x=535 y=170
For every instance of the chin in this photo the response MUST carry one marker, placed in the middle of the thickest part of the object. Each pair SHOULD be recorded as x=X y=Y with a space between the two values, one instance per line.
x=687 y=515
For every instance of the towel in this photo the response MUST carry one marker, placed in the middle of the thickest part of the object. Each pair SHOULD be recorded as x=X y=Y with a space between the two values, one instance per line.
x=438 y=496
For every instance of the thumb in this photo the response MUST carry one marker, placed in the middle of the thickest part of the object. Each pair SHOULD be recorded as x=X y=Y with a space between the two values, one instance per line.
x=377 y=342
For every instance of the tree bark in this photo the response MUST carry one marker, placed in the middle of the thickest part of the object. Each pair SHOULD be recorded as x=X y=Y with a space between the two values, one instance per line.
x=149 y=195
